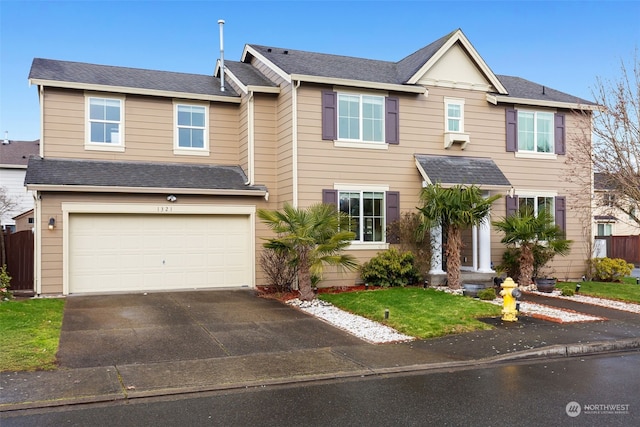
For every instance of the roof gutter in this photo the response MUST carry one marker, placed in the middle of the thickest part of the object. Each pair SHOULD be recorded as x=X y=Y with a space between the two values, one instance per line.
x=359 y=83
x=146 y=190
x=501 y=99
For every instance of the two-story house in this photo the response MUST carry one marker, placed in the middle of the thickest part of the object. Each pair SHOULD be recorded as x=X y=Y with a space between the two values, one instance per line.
x=151 y=180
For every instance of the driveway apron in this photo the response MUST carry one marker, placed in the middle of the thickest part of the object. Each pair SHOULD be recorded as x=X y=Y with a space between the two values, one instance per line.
x=104 y=330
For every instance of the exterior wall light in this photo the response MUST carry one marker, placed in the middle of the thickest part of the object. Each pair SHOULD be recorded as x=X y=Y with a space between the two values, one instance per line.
x=171 y=198
x=52 y=223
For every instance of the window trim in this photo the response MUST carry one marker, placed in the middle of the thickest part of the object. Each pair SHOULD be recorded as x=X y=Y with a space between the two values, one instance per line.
x=381 y=188
x=190 y=151
x=103 y=146
x=349 y=142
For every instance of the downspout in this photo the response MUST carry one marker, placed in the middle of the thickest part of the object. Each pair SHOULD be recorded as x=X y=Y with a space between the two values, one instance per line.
x=294 y=142
x=41 y=96
x=37 y=236
x=251 y=135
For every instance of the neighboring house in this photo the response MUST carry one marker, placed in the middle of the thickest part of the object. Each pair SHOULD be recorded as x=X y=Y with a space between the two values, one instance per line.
x=151 y=179
x=608 y=218
x=24 y=221
x=14 y=156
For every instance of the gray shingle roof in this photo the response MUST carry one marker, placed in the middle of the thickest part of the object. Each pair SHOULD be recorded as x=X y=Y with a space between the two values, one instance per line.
x=326 y=65
x=248 y=74
x=107 y=75
x=521 y=88
x=603 y=181
x=18 y=152
x=462 y=170
x=136 y=175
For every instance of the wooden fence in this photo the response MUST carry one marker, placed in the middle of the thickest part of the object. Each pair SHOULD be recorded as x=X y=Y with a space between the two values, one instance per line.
x=19 y=249
x=625 y=247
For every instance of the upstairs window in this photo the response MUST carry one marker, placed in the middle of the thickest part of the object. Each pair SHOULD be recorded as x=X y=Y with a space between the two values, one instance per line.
x=535 y=132
x=360 y=120
x=360 y=117
x=105 y=121
x=454 y=115
x=191 y=129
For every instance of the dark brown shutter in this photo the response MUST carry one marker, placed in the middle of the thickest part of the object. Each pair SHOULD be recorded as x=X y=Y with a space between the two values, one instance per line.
x=561 y=212
x=512 y=130
x=330 y=197
x=392 y=120
x=329 y=115
x=512 y=205
x=392 y=212
x=559 y=134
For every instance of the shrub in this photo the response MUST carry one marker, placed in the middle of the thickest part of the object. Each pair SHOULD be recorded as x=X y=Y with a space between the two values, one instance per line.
x=5 y=284
x=610 y=269
x=279 y=269
x=568 y=292
x=487 y=294
x=390 y=268
x=407 y=234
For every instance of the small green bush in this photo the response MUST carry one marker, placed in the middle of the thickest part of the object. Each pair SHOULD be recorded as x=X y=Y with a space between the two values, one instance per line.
x=390 y=268
x=5 y=284
x=487 y=294
x=568 y=292
x=610 y=269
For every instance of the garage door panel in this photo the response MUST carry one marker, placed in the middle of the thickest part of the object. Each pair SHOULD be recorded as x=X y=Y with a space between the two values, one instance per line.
x=117 y=252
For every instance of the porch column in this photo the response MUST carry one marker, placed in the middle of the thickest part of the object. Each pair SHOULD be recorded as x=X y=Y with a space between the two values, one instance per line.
x=484 y=247
x=436 y=248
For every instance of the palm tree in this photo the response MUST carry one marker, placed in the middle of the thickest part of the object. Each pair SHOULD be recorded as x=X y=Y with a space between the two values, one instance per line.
x=314 y=236
x=536 y=237
x=455 y=209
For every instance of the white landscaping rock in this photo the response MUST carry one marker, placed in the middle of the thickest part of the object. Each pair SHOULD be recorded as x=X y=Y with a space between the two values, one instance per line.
x=359 y=326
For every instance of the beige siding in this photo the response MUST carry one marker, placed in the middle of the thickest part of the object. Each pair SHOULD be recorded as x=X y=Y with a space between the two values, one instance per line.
x=149 y=130
x=321 y=164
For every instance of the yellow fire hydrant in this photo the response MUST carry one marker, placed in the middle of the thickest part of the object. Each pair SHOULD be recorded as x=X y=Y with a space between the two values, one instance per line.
x=510 y=293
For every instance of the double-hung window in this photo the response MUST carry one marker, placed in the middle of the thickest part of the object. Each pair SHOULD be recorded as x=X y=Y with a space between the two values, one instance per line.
x=366 y=212
x=535 y=131
x=454 y=115
x=191 y=129
x=361 y=117
x=105 y=123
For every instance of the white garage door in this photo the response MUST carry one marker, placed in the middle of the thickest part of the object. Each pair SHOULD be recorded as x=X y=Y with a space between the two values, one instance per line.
x=121 y=252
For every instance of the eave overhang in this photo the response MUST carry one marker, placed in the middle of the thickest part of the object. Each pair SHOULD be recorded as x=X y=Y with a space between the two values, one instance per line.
x=134 y=90
x=501 y=99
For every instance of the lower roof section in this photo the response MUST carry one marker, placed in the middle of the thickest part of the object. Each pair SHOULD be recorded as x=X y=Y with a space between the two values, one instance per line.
x=454 y=170
x=137 y=177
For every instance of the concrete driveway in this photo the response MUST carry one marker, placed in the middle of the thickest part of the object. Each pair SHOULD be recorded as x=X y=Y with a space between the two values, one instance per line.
x=104 y=330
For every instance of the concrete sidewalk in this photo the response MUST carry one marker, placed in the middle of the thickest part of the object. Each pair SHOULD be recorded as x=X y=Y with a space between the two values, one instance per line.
x=528 y=338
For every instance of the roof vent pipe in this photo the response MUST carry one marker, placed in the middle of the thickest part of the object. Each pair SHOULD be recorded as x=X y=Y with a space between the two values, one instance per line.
x=221 y=23
x=6 y=137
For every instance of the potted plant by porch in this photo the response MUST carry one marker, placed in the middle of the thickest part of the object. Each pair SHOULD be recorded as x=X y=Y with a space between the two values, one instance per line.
x=532 y=242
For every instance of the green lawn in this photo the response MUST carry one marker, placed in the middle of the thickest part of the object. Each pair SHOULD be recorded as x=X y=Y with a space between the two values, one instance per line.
x=29 y=334
x=627 y=291
x=422 y=313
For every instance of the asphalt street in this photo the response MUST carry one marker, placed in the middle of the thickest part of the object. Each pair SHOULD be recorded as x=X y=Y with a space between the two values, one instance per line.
x=586 y=391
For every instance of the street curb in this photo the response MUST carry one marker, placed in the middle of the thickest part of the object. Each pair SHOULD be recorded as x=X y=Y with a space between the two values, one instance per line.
x=553 y=351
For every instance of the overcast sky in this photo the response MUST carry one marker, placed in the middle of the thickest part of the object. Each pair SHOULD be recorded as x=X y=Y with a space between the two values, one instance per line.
x=564 y=45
